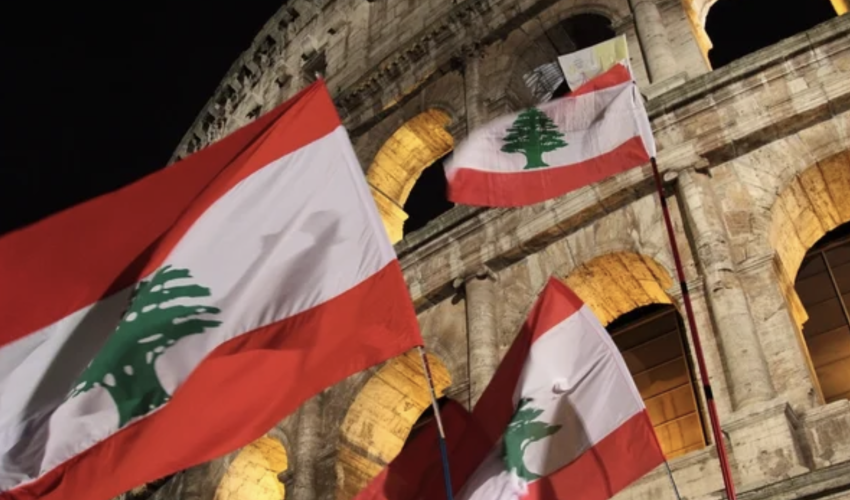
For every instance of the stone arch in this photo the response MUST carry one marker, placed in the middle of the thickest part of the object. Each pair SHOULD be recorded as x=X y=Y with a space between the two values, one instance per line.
x=814 y=202
x=628 y=293
x=381 y=417
x=413 y=147
x=617 y=283
x=253 y=473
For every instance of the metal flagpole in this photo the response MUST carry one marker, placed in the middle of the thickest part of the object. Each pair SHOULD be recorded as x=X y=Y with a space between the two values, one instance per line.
x=692 y=324
x=444 y=454
x=672 y=480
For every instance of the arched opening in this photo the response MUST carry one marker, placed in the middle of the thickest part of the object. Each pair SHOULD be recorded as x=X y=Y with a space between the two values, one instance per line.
x=652 y=342
x=381 y=418
x=402 y=159
x=740 y=27
x=823 y=285
x=546 y=81
x=813 y=203
x=628 y=294
x=614 y=284
x=427 y=199
x=253 y=474
x=808 y=223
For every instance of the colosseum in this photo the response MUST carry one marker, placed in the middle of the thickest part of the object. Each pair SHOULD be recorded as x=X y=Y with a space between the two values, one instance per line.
x=755 y=157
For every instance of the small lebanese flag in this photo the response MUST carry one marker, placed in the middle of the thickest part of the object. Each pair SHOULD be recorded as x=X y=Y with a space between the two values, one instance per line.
x=181 y=317
x=599 y=130
x=562 y=411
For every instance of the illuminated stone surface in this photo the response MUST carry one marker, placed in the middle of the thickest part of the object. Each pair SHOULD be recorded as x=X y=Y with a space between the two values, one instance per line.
x=253 y=474
x=381 y=417
x=411 y=149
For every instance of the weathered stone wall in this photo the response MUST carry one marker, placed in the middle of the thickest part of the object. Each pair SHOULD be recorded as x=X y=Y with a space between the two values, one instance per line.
x=756 y=161
x=376 y=56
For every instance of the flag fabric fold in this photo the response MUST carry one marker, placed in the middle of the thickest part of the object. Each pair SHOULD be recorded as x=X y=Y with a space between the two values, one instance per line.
x=561 y=419
x=599 y=130
x=181 y=317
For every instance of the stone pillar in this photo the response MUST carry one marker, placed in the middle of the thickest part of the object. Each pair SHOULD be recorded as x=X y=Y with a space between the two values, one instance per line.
x=307 y=449
x=653 y=40
x=476 y=114
x=763 y=429
x=482 y=337
x=782 y=340
x=748 y=375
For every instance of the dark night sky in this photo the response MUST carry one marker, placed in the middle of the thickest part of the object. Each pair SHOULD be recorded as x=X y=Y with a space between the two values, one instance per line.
x=95 y=97
x=96 y=94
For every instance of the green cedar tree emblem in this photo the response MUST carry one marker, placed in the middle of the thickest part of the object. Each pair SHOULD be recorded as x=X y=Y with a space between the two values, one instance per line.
x=125 y=365
x=523 y=430
x=532 y=134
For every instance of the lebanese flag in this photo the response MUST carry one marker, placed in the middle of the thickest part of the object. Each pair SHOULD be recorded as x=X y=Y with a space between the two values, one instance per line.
x=181 y=317
x=561 y=419
x=544 y=152
x=562 y=412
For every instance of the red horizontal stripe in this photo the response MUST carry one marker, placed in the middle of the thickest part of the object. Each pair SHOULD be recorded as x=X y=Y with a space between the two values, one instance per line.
x=516 y=189
x=77 y=257
x=621 y=458
x=242 y=389
x=618 y=74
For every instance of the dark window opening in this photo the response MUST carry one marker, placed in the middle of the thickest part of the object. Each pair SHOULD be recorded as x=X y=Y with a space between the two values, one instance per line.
x=740 y=27
x=315 y=66
x=651 y=340
x=586 y=30
x=823 y=285
x=427 y=199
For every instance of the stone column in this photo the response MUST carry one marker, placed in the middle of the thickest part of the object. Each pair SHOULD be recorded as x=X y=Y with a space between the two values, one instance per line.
x=748 y=375
x=476 y=114
x=482 y=338
x=653 y=40
x=782 y=341
x=307 y=449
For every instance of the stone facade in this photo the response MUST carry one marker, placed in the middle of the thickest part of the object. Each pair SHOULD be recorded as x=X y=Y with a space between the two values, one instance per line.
x=756 y=164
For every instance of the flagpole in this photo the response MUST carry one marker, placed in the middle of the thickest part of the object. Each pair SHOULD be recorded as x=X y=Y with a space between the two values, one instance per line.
x=692 y=324
x=444 y=454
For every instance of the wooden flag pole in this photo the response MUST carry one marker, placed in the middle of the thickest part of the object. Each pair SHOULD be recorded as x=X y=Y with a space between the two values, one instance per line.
x=692 y=326
x=444 y=454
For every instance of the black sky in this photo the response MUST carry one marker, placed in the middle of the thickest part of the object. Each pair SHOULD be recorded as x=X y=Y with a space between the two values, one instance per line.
x=95 y=96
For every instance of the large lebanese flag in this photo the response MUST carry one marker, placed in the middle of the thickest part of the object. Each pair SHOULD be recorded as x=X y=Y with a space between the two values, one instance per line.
x=599 y=130
x=179 y=318
x=561 y=419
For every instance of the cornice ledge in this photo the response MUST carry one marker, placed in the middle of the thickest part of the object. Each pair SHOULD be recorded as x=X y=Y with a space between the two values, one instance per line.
x=535 y=228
